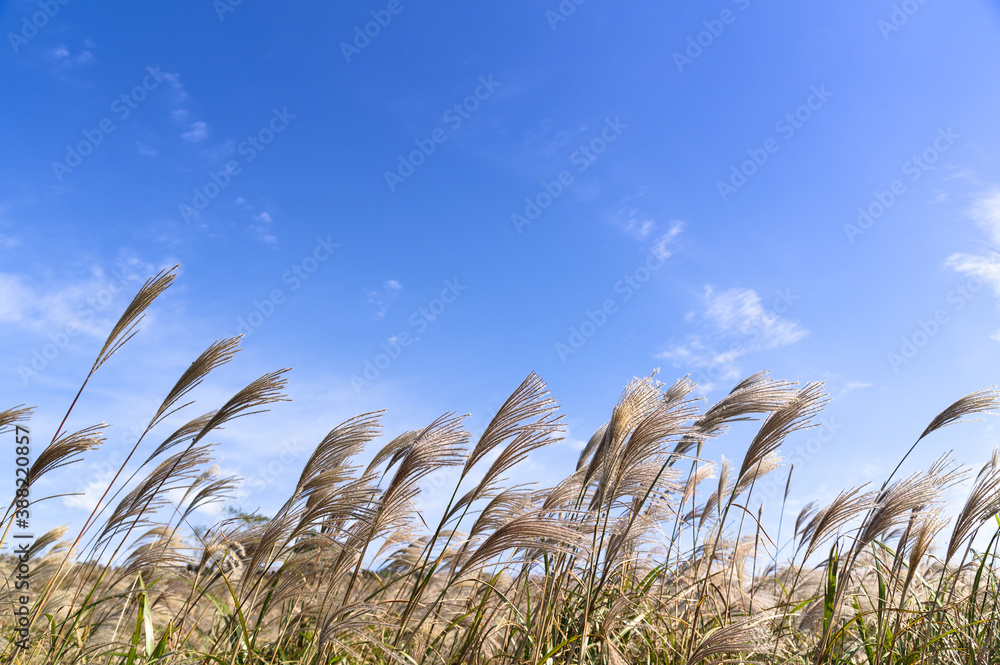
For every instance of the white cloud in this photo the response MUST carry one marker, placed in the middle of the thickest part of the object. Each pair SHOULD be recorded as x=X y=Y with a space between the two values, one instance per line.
x=262 y=228
x=145 y=150
x=180 y=94
x=634 y=223
x=197 y=133
x=986 y=211
x=734 y=324
x=63 y=57
x=382 y=299
x=87 y=304
x=661 y=246
x=986 y=267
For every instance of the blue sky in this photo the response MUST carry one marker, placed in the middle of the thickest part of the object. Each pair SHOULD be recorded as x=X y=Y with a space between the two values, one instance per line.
x=588 y=191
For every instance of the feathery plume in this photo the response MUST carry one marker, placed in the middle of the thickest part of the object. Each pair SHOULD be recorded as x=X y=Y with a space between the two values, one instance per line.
x=216 y=355
x=67 y=449
x=127 y=325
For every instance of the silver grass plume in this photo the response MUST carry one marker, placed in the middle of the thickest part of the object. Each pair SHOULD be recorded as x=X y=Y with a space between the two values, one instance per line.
x=982 y=504
x=127 y=325
x=757 y=394
x=67 y=449
x=216 y=355
x=914 y=494
x=743 y=637
x=175 y=472
x=829 y=520
x=13 y=416
x=796 y=414
x=258 y=393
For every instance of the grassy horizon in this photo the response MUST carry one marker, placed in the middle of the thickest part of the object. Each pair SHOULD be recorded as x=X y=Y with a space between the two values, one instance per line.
x=348 y=570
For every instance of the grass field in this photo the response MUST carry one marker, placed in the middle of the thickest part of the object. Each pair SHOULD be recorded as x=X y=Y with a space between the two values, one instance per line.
x=348 y=571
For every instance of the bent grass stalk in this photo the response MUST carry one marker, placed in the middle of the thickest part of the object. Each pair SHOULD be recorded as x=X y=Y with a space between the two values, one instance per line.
x=559 y=575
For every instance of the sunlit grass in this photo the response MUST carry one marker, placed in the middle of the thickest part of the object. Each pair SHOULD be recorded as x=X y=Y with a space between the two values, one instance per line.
x=349 y=571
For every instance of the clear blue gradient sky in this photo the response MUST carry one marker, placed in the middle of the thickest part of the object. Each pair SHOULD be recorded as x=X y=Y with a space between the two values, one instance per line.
x=417 y=217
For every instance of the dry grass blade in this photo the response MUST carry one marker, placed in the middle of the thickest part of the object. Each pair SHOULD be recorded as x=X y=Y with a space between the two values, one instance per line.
x=536 y=531
x=213 y=491
x=806 y=513
x=592 y=443
x=981 y=401
x=640 y=398
x=265 y=390
x=794 y=415
x=216 y=355
x=743 y=637
x=185 y=432
x=927 y=531
x=982 y=504
x=136 y=507
x=66 y=450
x=340 y=444
x=512 y=502
x=529 y=401
x=715 y=500
x=702 y=472
x=126 y=327
x=45 y=540
x=770 y=462
x=910 y=495
x=393 y=451
x=755 y=395
x=847 y=505
x=10 y=417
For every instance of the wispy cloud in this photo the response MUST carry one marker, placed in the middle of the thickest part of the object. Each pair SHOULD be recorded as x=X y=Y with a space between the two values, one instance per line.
x=63 y=57
x=734 y=323
x=662 y=247
x=262 y=229
x=384 y=297
x=145 y=150
x=634 y=223
x=197 y=133
x=984 y=266
x=856 y=385
x=27 y=305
